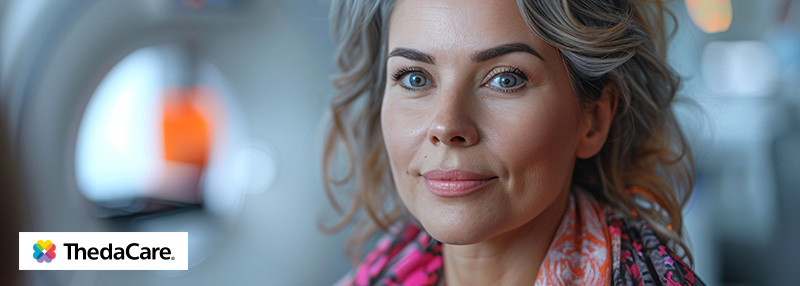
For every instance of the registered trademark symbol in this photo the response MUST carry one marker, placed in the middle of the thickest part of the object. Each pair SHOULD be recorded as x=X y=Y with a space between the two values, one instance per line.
x=173 y=258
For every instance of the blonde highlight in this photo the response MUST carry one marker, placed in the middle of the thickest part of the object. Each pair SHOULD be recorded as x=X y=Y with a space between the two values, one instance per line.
x=644 y=169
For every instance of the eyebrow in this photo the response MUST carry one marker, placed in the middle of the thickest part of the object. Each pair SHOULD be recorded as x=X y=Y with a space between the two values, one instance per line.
x=481 y=56
x=504 y=49
x=412 y=54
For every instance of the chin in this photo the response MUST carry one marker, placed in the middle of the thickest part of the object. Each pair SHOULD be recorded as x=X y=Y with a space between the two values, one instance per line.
x=458 y=230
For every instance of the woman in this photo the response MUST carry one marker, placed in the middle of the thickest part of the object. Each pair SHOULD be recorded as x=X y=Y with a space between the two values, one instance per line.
x=510 y=143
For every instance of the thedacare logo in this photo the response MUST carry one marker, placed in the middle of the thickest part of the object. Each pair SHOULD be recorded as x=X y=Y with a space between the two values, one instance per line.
x=132 y=252
x=44 y=251
x=104 y=250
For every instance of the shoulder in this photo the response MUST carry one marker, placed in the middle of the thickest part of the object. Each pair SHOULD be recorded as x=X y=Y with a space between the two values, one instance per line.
x=639 y=257
x=409 y=257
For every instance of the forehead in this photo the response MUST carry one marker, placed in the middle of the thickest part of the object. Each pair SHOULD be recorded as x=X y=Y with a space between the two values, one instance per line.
x=452 y=26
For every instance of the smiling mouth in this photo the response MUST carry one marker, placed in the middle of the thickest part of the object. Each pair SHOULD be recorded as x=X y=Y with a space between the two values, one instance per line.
x=456 y=183
x=453 y=188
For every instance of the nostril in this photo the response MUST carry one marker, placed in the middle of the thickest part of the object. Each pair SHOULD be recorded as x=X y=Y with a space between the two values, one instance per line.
x=453 y=141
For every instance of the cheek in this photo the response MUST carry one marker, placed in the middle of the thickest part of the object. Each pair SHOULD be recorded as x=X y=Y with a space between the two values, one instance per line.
x=402 y=133
x=536 y=143
x=536 y=138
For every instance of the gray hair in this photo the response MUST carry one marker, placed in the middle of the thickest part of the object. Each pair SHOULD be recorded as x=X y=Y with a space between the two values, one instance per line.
x=645 y=168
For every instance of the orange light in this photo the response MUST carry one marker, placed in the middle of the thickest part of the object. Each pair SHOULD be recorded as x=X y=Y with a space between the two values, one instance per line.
x=186 y=126
x=711 y=16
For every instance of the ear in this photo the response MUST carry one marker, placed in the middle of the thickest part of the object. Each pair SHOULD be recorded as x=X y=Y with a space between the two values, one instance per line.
x=597 y=117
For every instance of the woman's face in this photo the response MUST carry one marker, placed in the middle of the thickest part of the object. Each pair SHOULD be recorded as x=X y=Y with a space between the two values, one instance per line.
x=479 y=119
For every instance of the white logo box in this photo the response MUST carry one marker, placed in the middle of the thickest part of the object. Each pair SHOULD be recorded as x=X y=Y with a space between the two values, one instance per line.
x=177 y=242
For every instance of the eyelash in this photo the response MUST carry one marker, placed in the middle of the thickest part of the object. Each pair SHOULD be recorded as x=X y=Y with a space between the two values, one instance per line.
x=400 y=73
x=507 y=70
x=397 y=75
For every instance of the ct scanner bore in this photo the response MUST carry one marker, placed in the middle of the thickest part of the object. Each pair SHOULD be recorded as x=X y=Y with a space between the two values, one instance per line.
x=254 y=181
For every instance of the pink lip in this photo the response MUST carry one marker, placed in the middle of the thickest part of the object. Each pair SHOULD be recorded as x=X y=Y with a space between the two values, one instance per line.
x=455 y=183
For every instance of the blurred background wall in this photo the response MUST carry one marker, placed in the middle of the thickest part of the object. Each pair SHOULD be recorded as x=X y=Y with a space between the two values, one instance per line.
x=743 y=79
x=206 y=116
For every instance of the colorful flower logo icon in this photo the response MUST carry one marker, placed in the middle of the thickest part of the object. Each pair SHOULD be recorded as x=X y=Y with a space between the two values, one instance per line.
x=44 y=251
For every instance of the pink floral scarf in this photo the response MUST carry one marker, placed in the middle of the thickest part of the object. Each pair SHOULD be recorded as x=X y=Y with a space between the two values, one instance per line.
x=592 y=246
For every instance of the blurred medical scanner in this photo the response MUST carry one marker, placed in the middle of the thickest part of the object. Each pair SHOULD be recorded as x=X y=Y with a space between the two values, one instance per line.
x=174 y=115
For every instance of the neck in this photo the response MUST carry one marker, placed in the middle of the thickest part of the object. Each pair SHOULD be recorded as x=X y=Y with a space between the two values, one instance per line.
x=510 y=258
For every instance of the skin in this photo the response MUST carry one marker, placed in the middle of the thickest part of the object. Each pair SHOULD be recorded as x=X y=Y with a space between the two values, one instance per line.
x=528 y=138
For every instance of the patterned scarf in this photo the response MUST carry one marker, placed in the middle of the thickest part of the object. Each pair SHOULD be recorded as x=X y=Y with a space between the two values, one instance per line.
x=591 y=246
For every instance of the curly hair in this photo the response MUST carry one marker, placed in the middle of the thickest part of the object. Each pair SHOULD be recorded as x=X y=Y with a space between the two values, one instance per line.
x=645 y=168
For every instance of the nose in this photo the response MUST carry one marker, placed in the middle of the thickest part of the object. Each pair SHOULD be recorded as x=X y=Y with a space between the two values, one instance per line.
x=453 y=123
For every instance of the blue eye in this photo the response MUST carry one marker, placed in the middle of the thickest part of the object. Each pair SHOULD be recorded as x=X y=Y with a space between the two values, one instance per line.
x=414 y=80
x=506 y=81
